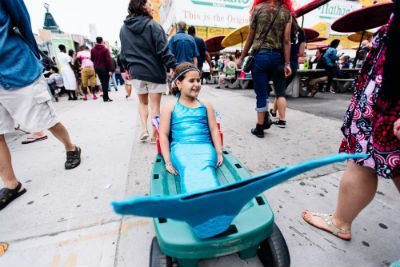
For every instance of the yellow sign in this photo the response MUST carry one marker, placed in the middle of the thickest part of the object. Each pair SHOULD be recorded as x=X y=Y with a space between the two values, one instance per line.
x=156 y=8
x=201 y=32
x=209 y=32
x=365 y=3
x=322 y=28
x=205 y=32
x=212 y=32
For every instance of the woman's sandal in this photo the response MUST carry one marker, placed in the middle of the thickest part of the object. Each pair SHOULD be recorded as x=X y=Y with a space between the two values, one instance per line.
x=332 y=228
x=8 y=195
x=3 y=248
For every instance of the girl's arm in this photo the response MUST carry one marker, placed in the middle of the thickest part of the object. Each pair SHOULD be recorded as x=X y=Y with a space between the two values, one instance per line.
x=214 y=131
x=164 y=136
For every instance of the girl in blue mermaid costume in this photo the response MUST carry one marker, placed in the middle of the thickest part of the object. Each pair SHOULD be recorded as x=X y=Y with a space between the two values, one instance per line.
x=189 y=137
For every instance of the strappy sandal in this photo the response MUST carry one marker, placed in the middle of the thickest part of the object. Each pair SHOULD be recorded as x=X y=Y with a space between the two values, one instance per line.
x=3 y=248
x=333 y=229
x=8 y=195
x=73 y=158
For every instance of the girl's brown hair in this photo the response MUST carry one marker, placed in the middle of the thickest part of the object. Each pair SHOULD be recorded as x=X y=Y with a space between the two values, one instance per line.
x=137 y=8
x=184 y=66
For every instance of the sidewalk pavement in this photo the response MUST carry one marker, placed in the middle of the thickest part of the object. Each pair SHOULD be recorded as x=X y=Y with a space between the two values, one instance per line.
x=65 y=218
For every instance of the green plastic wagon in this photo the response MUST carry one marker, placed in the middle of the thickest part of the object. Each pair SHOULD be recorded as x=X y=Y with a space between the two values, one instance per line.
x=252 y=233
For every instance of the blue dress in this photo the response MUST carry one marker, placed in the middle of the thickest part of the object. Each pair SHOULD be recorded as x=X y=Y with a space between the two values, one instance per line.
x=192 y=152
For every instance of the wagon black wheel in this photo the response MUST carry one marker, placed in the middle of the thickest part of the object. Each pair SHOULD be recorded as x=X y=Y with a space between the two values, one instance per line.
x=273 y=251
x=157 y=258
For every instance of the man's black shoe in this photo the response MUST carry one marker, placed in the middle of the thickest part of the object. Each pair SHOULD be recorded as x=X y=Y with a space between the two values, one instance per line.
x=258 y=131
x=108 y=100
x=73 y=158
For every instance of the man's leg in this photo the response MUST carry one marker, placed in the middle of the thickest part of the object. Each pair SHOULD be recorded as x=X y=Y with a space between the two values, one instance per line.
x=73 y=151
x=62 y=134
x=7 y=174
x=105 y=84
x=12 y=188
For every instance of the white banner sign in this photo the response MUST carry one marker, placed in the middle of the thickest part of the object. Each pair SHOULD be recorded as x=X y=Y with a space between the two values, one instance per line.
x=210 y=13
x=236 y=13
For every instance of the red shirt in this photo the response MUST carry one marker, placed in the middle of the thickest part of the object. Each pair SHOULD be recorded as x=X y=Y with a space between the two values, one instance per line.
x=101 y=57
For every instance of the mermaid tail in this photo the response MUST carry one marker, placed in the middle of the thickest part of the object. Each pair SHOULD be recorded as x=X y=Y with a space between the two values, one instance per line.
x=210 y=212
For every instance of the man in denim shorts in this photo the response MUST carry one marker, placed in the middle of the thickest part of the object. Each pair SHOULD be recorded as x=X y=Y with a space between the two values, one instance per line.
x=24 y=96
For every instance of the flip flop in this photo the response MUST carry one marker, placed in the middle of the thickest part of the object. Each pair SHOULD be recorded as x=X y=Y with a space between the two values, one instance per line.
x=3 y=248
x=30 y=140
x=333 y=229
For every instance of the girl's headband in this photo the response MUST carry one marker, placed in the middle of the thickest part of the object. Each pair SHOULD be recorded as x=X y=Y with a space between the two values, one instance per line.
x=184 y=72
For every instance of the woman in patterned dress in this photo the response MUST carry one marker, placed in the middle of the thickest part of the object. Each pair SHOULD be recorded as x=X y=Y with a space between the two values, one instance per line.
x=371 y=126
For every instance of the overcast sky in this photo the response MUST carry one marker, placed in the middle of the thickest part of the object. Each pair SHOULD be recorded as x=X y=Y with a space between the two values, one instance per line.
x=74 y=16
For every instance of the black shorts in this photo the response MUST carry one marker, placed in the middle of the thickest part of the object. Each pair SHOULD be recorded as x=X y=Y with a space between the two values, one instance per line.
x=280 y=82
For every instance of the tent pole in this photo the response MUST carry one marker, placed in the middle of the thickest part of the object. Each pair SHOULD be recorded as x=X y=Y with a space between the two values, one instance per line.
x=358 y=50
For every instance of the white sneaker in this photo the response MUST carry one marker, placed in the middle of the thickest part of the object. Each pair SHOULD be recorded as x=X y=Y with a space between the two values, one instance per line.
x=144 y=136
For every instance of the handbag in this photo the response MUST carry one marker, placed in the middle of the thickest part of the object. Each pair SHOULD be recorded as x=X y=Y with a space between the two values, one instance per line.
x=248 y=66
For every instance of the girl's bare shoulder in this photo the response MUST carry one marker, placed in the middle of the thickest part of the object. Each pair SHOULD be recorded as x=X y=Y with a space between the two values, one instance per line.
x=168 y=106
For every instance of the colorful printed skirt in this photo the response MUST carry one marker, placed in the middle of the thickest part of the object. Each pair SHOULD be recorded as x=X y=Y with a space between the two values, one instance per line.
x=369 y=121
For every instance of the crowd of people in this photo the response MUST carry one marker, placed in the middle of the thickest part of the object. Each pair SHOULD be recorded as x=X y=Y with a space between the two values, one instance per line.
x=189 y=137
x=90 y=72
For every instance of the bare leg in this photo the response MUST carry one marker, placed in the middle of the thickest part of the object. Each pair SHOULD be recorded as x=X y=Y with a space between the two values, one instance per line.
x=155 y=101
x=281 y=104
x=357 y=189
x=128 y=90
x=396 y=181
x=260 y=117
x=144 y=110
x=7 y=174
x=38 y=134
x=275 y=108
x=61 y=134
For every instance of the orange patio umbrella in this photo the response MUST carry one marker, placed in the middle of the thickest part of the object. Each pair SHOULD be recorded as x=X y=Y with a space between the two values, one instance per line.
x=360 y=36
x=236 y=37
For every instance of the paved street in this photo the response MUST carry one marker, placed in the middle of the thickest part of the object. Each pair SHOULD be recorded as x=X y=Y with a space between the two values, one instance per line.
x=65 y=219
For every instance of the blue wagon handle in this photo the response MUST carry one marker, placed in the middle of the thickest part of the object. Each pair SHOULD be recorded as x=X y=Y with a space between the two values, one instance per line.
x=210 y=212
